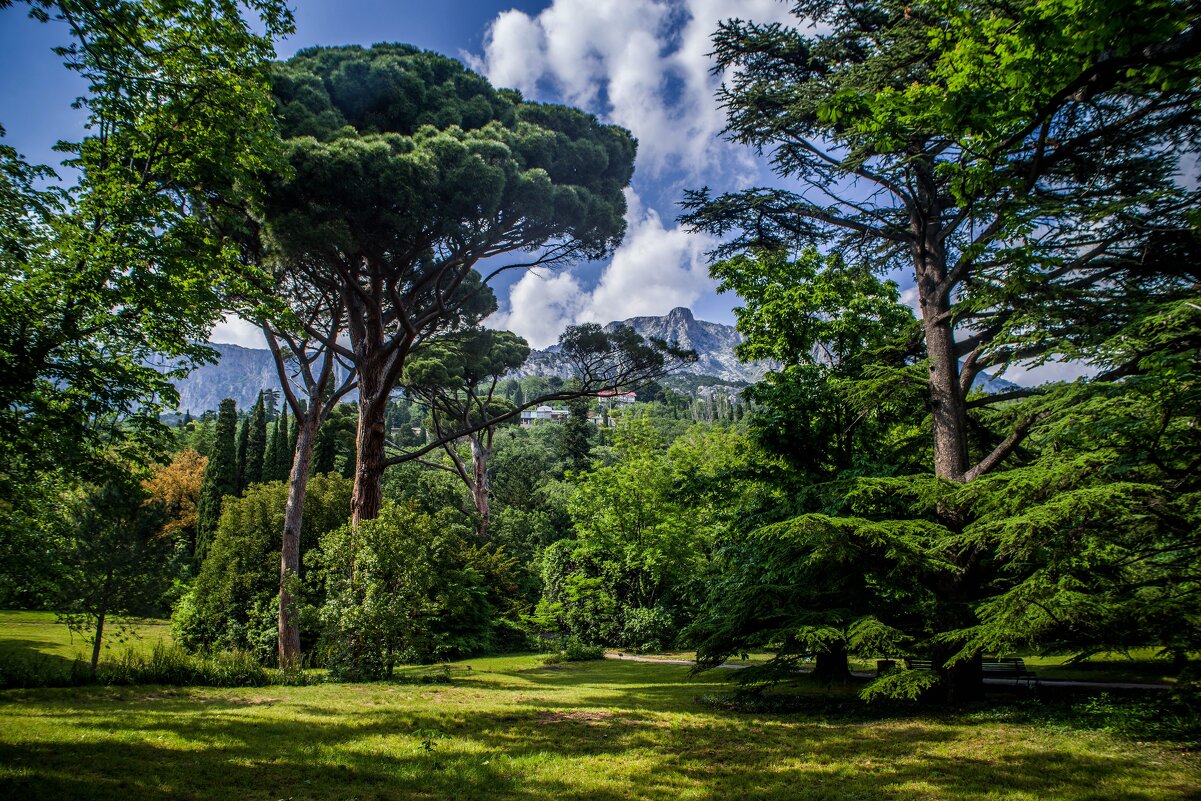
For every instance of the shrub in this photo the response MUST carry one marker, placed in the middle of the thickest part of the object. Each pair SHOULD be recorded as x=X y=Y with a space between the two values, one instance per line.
x=234 y=601
x=650 y=629
x=574 y=650
x=399 y=588
x=165 y=664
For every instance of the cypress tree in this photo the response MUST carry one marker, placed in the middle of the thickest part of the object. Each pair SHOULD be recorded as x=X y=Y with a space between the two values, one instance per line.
x=275 y=449
x=243 y=444
x=325 y=450
x=220 y=476
x=292 y=443
x=256 y=444
x=576 y=433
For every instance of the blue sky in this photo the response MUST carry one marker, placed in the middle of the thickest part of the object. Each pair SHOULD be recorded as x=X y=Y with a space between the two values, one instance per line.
x=642 y=64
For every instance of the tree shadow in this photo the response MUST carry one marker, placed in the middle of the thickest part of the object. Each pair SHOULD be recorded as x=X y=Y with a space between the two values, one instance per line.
x=588 y=733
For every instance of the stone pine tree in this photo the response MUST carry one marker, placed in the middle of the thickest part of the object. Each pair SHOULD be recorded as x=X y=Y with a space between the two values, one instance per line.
x=1035 y=217
x=457 y=378
x=220 y=476
x=303 y=345
x=408 y=170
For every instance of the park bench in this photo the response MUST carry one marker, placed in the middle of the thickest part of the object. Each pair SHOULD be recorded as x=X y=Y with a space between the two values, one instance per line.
x=1009 y=668
x=992 y=668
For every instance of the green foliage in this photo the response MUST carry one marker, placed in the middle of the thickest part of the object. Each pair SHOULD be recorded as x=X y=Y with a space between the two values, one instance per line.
x=398 y=588
x=220 y=476
x=645 y=528
x=131 y=265
x=575 y=650
x=233 y=604
x=114 y=561
x=256 y=446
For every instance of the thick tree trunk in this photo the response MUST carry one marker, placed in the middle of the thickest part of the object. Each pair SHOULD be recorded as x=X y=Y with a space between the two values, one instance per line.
x=289 y=554
x=96 y=641
x=480 y=487
x=962 y=682
x=370 y=441
x=934 y=294
x=831 y=665
x=947 y=403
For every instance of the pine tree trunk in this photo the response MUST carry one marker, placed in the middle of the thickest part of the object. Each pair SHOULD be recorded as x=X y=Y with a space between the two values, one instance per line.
x=289 y=555
x=370 y=440
x=480 y=488
x=831 y=665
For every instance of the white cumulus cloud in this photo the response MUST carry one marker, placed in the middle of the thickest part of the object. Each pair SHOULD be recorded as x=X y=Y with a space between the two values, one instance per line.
x=655 y=269
x=643 y=64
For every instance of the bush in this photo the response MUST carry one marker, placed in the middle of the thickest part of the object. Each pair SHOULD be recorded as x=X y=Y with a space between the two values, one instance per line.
x=233 y=603
x=576 y=651
x=399 y=589
x=165 y=664
x=651 y=629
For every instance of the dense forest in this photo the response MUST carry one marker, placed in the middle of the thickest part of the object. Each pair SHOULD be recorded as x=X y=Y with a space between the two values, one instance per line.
x=1029 y=168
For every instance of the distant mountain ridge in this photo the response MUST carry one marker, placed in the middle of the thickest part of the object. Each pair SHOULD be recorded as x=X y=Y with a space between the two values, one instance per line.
x=714 y=344
x=241 y=373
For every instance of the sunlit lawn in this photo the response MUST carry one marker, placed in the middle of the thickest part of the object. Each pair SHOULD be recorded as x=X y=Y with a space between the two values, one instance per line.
x=513 y=728
x=1142 y=665
x=38 y=635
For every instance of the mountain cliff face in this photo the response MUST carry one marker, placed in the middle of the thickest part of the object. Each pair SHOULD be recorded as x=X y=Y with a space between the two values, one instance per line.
x=713 y=342
x=241 y=373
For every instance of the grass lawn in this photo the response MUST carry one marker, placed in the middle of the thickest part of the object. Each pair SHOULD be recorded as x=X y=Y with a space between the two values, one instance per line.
x=38 y=635
x=512 y=728
x=1141 y=666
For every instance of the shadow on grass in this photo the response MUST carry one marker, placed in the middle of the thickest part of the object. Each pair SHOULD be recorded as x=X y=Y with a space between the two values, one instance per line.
x=597 y=732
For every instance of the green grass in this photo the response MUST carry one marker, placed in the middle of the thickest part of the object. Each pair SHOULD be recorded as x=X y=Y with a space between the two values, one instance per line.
x=512 y=728
x=40 y=635
x=1140 y=666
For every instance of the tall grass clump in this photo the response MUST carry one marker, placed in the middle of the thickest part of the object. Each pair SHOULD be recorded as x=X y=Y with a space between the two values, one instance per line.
x=165 y=664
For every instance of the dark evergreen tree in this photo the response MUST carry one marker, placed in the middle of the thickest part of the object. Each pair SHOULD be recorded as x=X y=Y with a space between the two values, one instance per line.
x=256 y=444
x=243 y=448
x=325 y=451
x=275 y=448
x=220 y=476
x=271 y=403
x=576 y=435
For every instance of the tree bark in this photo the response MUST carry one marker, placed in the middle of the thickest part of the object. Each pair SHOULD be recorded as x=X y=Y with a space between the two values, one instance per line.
x=831 y=665
x=946 y=400
x=930 y=268
x=370 y=441
x=96 y=641
x=289 y=554
x=962 y=682
x=480 y=486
